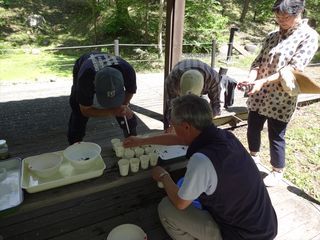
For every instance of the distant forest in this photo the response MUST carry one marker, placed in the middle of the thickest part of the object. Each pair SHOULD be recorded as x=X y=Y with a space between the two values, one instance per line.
x=83 y=22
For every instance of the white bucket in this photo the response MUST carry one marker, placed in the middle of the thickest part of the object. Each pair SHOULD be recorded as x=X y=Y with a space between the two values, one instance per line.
x=127 y=232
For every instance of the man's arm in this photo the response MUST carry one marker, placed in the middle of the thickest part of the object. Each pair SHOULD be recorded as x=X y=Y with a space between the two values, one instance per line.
x=90 y=111
x=214 y=96
x=159 y=174
x=161 y=139
x=127 y=98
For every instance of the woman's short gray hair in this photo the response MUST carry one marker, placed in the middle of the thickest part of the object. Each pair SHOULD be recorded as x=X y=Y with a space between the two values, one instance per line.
x=292 y=7
x=192 y=109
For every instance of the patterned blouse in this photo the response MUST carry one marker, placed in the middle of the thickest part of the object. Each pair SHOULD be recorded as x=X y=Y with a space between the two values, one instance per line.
x=211 y=85
x=294 y=48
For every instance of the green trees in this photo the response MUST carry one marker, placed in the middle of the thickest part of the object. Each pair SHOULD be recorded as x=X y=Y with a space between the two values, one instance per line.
x=204 y=22
x=85 y=22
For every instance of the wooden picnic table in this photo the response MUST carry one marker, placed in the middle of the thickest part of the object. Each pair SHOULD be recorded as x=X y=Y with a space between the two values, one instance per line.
x=90 y=209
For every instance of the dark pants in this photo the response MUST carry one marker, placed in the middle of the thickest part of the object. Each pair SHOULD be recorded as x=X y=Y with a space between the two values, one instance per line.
x=276 y=134
x=78 y=123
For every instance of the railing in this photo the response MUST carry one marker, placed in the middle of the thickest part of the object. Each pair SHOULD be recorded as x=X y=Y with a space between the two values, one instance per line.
x=114 y=48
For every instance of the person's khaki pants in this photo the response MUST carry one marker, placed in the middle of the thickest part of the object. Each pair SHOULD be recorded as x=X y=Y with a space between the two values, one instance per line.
x=190 y=223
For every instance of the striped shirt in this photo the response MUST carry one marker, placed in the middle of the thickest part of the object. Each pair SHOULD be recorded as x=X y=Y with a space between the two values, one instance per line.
x=211 y=85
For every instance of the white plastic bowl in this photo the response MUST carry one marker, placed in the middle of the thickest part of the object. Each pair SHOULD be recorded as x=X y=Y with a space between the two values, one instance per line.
x=45 y=165
x=127 y=232
x=82 y=155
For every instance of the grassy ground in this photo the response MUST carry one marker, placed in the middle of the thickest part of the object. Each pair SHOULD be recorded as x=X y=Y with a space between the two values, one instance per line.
x=29 y=67
x=302 y=151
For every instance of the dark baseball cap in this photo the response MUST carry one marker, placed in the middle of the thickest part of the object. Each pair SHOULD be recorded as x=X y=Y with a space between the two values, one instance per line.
x=109 y=87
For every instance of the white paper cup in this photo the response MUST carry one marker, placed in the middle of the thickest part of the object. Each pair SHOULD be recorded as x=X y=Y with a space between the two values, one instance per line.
x=148 y=150
x=114 y=141
x=128 y=153
x=134 y=164
x=144 y=159
x=123 y=167
x=119 y=151
x=139 y=151
x=153 y=159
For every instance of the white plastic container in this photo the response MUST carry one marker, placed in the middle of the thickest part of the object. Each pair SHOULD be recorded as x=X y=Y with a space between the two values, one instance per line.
x=127 y=232
x=82 y=155
x=45 y=165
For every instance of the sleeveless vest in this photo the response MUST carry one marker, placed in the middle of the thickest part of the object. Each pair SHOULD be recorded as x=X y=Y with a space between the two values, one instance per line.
x=240 y=204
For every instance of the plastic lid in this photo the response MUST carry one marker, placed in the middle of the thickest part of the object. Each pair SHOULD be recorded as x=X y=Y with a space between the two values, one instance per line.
x=2 y=142
x=127 y=232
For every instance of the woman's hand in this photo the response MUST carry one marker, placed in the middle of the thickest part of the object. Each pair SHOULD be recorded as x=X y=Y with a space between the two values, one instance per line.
x=244 y=86
x=132 y=141
x=256 y=86
x=251 y=87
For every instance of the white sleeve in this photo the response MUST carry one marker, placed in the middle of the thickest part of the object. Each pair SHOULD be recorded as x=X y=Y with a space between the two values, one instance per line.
x=201 y=177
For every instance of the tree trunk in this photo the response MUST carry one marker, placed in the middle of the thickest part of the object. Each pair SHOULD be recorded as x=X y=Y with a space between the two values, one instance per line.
x=146 y=30
x=223 y=5
x=244 y=10
x=94 y=15
x=160 y=47
x=122 y=15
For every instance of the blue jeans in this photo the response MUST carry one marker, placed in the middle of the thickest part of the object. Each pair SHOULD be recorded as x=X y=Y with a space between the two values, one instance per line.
x=276 y=134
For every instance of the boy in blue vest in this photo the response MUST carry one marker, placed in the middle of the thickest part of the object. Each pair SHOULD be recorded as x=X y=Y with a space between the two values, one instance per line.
x=220 y=172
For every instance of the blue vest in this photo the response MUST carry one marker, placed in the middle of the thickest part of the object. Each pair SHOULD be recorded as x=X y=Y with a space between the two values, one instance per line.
x=240 y=204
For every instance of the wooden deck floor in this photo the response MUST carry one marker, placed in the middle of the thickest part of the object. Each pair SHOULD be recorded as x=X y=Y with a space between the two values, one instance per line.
x=34 y=120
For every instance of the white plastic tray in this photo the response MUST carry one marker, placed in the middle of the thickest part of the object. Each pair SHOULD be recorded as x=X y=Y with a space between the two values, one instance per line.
x=10 y=190
x=66 y=175
x=171 y=152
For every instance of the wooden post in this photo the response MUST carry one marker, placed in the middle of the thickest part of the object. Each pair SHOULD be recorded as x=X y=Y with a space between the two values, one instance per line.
x=174 y=33
x=230 y=44
x=160 y=26
x=116 y=47
x=174 y=37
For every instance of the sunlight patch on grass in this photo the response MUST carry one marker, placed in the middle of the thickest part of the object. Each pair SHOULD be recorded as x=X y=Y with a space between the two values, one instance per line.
x=26 y=66
x=302 y=149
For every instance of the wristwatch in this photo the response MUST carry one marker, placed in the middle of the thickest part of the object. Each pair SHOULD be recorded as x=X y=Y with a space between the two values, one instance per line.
x=162 y=175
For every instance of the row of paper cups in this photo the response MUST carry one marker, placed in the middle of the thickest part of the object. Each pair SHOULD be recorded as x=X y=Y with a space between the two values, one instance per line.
x=128 y=153
x=134 y=164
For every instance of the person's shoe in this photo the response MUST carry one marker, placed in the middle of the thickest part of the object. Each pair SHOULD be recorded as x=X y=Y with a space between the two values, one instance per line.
x=273 y=179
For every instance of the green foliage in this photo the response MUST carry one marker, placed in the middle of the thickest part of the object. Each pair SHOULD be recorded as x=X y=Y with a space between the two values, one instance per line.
x=303 y=151
x=316 y=58
x=262 y=10
x=312 y=13
x=202 y=28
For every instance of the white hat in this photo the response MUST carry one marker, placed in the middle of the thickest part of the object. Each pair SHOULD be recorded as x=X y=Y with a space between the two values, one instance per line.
x=191 y=82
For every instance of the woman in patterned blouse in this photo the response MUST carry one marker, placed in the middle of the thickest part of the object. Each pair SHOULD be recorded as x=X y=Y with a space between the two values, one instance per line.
x=291 y=47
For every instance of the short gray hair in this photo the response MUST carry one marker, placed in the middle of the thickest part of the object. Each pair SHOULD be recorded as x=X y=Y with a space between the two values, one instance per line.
x=192 y=109
x=292 y=7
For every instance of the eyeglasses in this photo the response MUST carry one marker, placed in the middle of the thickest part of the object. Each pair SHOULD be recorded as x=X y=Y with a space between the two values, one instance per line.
x=284 y=17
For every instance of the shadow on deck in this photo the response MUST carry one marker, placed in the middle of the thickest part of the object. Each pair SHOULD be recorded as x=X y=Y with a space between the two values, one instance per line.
x=90 y=209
